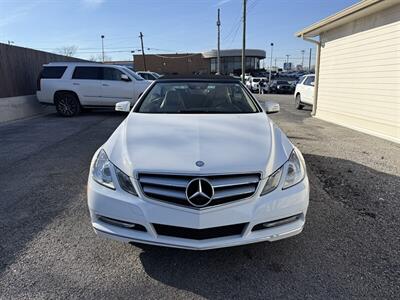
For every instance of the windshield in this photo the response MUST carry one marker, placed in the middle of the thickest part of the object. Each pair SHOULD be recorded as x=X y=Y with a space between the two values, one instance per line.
x=156 y=75
x=133 y=74
x=197 y=97
x=282 y=82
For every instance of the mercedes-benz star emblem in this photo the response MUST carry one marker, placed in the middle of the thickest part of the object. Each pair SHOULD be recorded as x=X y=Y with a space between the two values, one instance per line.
x=199 y=192
x=199 y=163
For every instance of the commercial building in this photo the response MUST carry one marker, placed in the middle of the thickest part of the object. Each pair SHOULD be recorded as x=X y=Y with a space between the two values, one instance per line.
x=199 y=63
x=358 y=67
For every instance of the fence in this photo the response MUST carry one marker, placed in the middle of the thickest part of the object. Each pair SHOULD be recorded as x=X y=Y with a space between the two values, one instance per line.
x=20 y=67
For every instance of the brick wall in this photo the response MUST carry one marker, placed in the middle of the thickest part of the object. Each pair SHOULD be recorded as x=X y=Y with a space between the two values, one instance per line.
x=173 y=63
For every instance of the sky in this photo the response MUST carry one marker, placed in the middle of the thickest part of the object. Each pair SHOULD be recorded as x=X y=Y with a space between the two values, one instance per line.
x=168 y=26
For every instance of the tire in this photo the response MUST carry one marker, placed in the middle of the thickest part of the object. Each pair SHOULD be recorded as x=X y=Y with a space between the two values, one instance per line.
x=299 y=105
x=67 y=104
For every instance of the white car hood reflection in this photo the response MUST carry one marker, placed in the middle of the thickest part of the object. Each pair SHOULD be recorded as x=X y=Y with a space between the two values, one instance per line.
x=173 y=143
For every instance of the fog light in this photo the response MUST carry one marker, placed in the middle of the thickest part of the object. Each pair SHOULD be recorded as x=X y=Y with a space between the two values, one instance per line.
x=275 y=223
x=123 y=224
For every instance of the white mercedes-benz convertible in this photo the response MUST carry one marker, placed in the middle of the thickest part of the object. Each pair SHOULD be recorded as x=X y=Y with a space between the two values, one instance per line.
x=198 y=164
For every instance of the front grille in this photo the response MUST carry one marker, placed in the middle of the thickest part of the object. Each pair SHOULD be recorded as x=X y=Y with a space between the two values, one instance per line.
x=172 y=188
x=199 y=234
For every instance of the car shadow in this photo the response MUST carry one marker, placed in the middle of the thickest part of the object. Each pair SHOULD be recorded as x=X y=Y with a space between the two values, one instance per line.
x=302 y=263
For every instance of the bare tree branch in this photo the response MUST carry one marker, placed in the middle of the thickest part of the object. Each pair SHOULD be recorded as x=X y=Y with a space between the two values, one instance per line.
x=67 y=50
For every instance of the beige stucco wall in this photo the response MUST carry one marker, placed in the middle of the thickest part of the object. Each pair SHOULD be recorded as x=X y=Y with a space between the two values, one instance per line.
x=359 y=81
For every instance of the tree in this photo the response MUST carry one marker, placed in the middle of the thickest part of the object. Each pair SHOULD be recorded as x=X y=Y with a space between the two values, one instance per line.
x=99 y=58
x=68 y=50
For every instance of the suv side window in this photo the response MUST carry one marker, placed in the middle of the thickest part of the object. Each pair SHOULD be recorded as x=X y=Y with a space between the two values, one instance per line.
x=309 y=80
x=91 y=73
x=52 y=72
x=144 y=76
x=111 y=74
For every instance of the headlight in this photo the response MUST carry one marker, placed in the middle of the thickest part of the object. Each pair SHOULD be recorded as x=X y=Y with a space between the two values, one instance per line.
x=102 y=170
x=294 y=171
x=102 y=173
x=125 y=182
x=272 y=182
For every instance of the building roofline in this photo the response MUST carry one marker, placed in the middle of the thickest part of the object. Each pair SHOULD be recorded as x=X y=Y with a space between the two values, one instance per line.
x=356 y=11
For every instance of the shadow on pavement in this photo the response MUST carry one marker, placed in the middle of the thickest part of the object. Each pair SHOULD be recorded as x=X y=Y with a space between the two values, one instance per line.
x=41 y=184
x=300 y=266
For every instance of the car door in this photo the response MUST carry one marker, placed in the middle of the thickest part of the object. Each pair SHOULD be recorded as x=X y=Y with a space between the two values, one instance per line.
x=115 y=88
x=307 y=95
x=86 y=82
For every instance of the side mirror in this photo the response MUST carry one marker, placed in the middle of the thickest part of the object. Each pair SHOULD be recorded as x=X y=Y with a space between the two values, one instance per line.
x=125 y=77
x=312 y=83
x=271 y=107
x=123 y=106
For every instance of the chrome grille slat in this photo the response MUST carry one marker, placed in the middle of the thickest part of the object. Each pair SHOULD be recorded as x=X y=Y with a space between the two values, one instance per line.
x=173 y=182
x=240 y=180
x=234 y=191
x=171 y=188
x=164 y=192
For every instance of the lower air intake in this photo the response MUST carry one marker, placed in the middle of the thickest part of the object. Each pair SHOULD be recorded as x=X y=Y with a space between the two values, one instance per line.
x=199 y=234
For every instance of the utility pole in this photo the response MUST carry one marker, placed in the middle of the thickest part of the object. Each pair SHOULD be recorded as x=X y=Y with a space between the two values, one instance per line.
x=309 y=62
x=102 y=46
x=270 y=63
x=144 y=56
x=218 y=45
x=302 y=59
x=244 y=42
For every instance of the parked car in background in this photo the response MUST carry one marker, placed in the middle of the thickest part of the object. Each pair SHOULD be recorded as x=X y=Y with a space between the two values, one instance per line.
x=71 y=86
x=253 y=83
x=281 y=87
x=304 y=92
x=198 y=164
x=148 y=75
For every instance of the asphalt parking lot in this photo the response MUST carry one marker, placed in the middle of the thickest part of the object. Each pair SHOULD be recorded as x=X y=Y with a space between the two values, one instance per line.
x=350 y=247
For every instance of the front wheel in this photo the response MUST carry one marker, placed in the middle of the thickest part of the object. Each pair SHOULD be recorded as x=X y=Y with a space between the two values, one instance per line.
x=67 y=104
x=299 y=105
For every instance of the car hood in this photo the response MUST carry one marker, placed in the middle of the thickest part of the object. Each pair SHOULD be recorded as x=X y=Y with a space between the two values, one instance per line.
x=226 y=143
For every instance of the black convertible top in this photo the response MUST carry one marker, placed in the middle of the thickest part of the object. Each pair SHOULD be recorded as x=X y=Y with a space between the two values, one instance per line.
x=198 y=77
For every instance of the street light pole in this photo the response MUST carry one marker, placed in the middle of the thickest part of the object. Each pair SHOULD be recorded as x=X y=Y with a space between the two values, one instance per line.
x=270 y=63
x=218 y=45
x=102 y=46
x=302 y=59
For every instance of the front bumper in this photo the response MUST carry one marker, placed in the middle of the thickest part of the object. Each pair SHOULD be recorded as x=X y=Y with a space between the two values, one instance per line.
x=119 y=205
